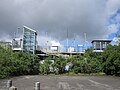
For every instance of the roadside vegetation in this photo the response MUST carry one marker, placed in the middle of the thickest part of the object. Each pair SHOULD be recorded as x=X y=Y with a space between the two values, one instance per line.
x=17 y=63
x=20 y=63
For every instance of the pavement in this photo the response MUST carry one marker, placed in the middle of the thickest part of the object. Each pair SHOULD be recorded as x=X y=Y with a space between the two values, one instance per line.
x=64 y=82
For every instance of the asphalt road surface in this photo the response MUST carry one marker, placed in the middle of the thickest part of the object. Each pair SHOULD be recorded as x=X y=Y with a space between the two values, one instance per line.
x=64 y=82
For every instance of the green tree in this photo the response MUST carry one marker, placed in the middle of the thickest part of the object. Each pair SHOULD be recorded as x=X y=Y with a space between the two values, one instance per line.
x=111 y=60
x=93 y=60
x=45 y=66
x=59 y=65
x=90 y=62
x=24 y=63
x=17 y=63
x=5 y=62
x=75 y=62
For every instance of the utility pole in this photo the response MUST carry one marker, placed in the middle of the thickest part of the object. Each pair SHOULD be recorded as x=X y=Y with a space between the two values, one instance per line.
x=85 y=36
x=74 y=43
x=14 y=35
x=47 y=42
x=67 y=40
x=85 y=45
x=17 y=35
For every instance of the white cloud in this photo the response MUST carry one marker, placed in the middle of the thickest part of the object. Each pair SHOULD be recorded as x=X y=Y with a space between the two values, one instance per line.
x=112 y=6
x=45 y=41
x=58 y=16
x=7 y=38
x=113 y=28
x=55 y=43
x=117 y=18
x=113 y=17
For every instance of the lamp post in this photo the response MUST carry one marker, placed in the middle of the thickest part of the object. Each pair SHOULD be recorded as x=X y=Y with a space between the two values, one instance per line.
x=85 y=45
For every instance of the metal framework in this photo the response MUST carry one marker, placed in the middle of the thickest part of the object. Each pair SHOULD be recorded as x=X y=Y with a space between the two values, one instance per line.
x=29 y=39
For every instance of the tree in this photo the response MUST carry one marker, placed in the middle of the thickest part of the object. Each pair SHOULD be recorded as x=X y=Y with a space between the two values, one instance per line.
x=5 y=62
x=75 y=63
x=59 y=65
x=45 y=66
x=111 y=60
x=17 y=63
x=90 y=63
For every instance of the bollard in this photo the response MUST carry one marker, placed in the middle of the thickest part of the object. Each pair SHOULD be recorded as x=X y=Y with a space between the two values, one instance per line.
x=37 y=86
x=9 y=83
x=12 y=88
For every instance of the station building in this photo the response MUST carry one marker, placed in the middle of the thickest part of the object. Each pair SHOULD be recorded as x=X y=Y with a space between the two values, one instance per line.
x=28 y=41
x=100 y=45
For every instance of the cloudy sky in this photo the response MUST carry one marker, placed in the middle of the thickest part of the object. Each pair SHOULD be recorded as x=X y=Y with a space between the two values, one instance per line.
x=52 y=19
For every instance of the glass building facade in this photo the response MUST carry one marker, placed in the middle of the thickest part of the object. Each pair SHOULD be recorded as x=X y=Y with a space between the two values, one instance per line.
x=100 y=44
x=29 y=40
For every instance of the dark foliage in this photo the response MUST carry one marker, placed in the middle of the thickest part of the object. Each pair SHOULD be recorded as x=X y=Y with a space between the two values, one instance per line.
x=17 y=63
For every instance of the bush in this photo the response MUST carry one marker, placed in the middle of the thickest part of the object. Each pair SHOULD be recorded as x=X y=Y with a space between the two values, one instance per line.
x=17 y=63
x=111 y=60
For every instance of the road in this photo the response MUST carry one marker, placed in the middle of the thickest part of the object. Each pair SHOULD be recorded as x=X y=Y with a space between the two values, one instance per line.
x=65 y=82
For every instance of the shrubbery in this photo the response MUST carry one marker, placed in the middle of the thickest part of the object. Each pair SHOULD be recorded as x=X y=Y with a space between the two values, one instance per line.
x=111 y=60
x=17 y=63
x=20 y=63
x=91 y=62
x=53 y=65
